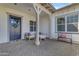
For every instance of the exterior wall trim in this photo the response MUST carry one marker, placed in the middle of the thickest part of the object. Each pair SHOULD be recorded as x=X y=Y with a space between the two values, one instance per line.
x=7 y=13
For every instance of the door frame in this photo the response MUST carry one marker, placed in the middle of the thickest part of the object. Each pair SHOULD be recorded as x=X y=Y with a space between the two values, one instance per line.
x=8 y=15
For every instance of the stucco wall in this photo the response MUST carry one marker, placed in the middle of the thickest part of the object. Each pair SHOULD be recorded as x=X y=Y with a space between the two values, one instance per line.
x=4 y=30
x=44 y=24
x=26 y=17
x=69 y=10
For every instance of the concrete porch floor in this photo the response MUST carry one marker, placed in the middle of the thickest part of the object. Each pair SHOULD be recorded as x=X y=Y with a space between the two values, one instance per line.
x=47 y=48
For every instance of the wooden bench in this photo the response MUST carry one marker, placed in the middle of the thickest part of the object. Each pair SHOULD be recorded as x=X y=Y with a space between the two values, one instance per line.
x=62 y=36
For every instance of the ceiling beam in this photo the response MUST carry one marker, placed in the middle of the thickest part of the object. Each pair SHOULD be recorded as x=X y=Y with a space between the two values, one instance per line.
x=48 y=7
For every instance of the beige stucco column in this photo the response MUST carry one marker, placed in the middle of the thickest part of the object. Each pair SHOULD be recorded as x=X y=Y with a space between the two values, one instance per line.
x=38 y=11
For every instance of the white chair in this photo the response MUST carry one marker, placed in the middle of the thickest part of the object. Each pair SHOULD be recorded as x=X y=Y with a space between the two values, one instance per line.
x=29 y=35
x=42 y=36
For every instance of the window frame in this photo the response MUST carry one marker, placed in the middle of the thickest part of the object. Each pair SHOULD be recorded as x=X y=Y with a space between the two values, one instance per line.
x=73 y=22
x=59 y=24
x=32 y=25
x=65 y=15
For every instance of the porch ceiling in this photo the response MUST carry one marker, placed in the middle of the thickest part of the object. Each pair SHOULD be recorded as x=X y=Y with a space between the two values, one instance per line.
x=28 y=7
x=48 y=6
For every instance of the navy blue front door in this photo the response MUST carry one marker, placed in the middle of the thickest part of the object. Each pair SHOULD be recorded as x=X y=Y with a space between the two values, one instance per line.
x=15 y=27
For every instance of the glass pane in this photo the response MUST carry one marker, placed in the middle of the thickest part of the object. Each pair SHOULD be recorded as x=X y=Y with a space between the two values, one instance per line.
x=61 y=28
x=35 y=28
x=72 y=27
x=31 y=28
x=69 y=19
x=60 y=21
x=31 y=22
x=34 y=23
x=75 y=19
x=72 y=19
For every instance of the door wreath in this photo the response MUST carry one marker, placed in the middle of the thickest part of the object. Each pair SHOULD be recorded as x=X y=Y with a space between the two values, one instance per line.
x=15 y=23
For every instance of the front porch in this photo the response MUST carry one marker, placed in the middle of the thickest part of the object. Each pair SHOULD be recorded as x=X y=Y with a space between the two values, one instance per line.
x=47 y=48
x=33 y=18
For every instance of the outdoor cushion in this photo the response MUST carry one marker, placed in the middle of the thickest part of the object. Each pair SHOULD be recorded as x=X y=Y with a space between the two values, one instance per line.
x=42 y=36
x=31 y=35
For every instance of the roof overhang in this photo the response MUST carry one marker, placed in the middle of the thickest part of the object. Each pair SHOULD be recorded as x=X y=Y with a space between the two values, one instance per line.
x=48 y=6
x=66 y=6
